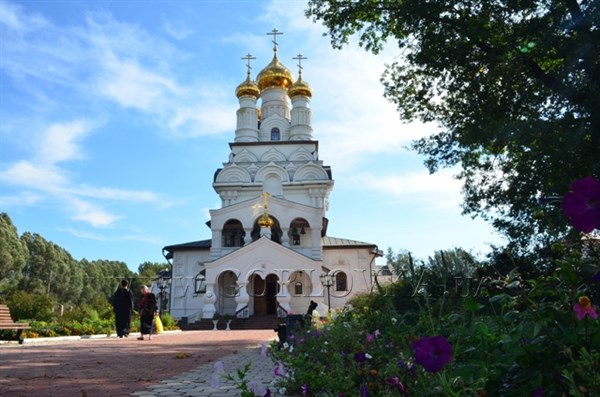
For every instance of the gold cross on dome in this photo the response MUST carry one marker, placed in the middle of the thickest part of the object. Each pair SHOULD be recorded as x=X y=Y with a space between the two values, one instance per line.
x=300 y=57
x=265 y=199
x=274 y=33
x=248 y=58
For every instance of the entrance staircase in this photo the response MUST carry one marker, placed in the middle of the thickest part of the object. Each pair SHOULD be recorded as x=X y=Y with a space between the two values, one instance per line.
x=254 y=322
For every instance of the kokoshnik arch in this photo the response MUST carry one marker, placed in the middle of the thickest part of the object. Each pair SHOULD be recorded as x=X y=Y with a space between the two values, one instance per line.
x=269 y=244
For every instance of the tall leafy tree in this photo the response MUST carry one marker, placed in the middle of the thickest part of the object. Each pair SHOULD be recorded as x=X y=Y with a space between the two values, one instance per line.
x=513 y=84
x=13 y=254
x=51 y=270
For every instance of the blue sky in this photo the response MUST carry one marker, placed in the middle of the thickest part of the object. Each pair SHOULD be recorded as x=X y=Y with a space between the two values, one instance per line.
x=116 y=114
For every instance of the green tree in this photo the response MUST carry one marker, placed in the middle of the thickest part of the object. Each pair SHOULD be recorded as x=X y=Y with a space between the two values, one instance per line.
x=103 y=277
x=51 y=270
x=13 y=254
x=514 y=86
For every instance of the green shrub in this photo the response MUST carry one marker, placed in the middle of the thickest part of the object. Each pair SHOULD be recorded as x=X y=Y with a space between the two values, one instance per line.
x=26 y=306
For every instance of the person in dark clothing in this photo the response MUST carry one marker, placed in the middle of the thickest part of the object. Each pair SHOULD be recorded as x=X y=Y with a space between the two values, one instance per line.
x=311 y=308
x=122 y=301
x=148 y=308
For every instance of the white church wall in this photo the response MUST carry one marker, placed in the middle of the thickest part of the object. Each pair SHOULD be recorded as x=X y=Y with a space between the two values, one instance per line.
x=185 y=302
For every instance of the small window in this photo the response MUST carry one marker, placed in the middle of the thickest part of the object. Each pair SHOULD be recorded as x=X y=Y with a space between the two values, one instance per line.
x=200 y=282
x=275 y=134
x=298 y=288
x=341 y=282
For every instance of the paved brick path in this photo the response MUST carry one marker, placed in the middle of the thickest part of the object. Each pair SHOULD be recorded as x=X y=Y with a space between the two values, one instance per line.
x=172 y=364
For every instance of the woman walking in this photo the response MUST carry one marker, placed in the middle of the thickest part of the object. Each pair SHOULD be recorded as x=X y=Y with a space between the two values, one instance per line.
x=148 y=308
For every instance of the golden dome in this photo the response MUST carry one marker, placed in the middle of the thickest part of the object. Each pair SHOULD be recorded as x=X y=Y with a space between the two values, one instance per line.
x=274 y=74
x=265 y=220
x=247 y=88
x=300 y=88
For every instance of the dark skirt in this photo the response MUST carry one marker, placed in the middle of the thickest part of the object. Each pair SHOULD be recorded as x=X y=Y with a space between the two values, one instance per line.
x=146 y=324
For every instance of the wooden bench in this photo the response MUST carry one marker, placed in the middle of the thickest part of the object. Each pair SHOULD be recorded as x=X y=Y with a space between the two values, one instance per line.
x=7 y=323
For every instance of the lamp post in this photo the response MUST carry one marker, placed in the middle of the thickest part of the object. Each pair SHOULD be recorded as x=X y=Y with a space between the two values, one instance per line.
x=327 y=281
x=164 y=279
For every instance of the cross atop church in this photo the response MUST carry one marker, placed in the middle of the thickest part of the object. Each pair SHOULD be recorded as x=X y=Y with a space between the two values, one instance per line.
x=275 y=33
x=265 y=199
x=248 y=58
x=299 y=57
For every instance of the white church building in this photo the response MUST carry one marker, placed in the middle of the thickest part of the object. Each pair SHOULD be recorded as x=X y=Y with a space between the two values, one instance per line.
x=269 y=252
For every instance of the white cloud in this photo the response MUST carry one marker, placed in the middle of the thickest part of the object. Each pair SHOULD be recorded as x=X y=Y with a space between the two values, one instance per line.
x=91 y=213
x=60 y=142
x=27 y=174
x=177 y=29
x=440 y=191
x=13 y=18
x=131 y=85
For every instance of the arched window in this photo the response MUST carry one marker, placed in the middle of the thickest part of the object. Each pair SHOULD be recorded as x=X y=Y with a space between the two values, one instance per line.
x=233 y=234
x=275 y=134
x=298 y=288
x=200 y=282
x=341 y=281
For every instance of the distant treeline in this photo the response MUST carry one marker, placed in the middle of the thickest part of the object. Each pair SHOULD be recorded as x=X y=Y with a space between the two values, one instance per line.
x=31 y=264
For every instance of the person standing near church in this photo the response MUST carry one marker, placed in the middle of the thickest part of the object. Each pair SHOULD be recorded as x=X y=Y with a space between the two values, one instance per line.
x=122 y=301
x=148 y=309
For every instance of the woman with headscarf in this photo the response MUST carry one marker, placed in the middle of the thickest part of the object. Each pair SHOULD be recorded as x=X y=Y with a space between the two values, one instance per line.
x=148 y=309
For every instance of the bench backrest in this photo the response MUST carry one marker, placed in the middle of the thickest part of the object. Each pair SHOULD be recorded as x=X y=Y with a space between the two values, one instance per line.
x=5 y=317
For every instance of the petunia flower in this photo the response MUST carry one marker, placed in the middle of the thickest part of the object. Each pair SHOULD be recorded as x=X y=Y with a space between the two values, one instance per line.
x=280 y=370
x=395 y=381
x=596 y=277
x=539 y=392
x=432 y=352
x=361 y=357
x=364 y=391
x=584 y=307
x=217 y=372
x=582 y=204
x=263 y=350
x=304 y=389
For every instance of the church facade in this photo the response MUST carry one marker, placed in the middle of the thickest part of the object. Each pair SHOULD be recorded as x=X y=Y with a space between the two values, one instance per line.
x=269 y=252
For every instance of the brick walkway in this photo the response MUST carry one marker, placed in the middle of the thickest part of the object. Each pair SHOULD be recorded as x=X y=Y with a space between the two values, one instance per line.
x=172 y=364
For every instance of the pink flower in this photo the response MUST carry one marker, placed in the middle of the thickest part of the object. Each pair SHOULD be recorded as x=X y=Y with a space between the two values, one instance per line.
x=584 y=307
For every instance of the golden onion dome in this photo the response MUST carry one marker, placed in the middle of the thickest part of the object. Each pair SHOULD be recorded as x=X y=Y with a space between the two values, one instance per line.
x=247 y=88
x=265 y=220
x=274 y=74
x=300 y=88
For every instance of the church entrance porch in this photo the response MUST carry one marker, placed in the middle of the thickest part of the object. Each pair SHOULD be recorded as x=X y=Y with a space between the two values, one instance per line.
x=264 y=294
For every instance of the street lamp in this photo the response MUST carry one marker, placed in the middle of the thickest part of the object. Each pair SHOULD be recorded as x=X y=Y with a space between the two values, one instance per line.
x=164 y=280
x=327 y=281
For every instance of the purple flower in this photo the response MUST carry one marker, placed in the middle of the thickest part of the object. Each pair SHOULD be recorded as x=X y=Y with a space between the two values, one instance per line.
x=364 y=391
x=280 y=370
x=395 y=381
x=596 y=277
x=267 y=393
x=361 y=357
x=539 y=392
x=304 y=389
x=582 y=204
x=217 y=372
x=370 y=338
x=432 y=352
